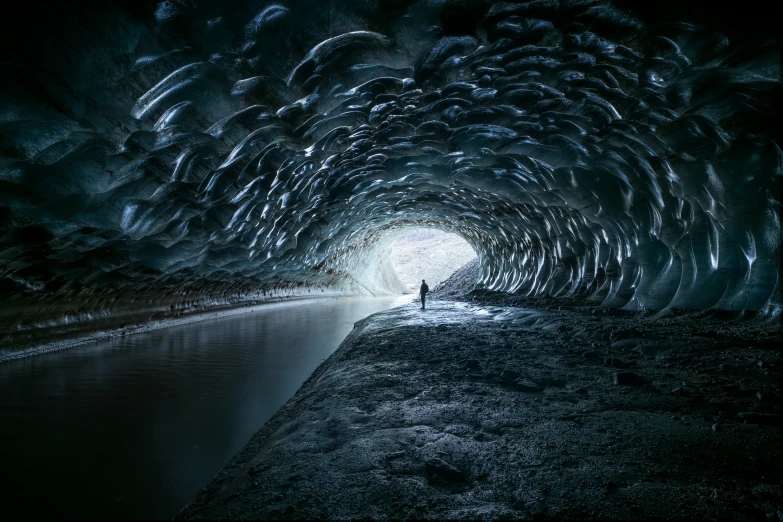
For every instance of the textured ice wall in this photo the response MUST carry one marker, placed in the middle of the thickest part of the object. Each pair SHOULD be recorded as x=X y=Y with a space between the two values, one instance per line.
x=211 y=150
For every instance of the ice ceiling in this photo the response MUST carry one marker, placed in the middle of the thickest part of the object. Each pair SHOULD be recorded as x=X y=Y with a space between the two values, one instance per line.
x=224 y=148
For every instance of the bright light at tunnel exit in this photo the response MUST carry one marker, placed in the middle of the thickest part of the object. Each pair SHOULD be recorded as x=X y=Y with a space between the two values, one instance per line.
x=429 y=254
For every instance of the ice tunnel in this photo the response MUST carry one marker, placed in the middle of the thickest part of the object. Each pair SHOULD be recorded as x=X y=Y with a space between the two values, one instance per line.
x=164 y=156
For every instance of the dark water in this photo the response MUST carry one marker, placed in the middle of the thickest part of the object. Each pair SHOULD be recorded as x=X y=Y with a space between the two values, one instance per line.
x=134 y=427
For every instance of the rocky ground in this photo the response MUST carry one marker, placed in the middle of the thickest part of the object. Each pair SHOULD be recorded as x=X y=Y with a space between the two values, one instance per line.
x=459 y=284
x=507 y=407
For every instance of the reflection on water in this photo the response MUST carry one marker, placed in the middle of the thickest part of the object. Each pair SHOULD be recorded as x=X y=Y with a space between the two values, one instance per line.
x=134 y=427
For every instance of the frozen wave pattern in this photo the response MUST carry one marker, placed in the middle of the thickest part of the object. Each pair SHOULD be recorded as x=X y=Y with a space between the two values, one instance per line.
x=223 y=153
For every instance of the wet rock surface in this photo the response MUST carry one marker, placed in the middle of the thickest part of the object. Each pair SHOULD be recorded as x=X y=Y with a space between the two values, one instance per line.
x=486 y=410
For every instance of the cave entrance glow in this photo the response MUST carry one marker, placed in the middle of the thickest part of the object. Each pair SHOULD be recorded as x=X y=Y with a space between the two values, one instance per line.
x=428 y=253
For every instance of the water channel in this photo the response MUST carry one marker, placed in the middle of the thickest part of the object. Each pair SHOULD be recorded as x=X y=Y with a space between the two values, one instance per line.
x=136 y=426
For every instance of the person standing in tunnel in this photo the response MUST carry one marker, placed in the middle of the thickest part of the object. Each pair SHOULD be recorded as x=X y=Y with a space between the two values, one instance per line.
x=423 y=292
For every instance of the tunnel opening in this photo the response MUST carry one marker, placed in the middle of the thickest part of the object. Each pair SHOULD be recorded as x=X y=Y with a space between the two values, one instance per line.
x=429 y=254
x=392 y=257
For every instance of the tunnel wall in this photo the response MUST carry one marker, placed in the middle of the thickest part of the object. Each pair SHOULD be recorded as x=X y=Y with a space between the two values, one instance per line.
x=582 y=148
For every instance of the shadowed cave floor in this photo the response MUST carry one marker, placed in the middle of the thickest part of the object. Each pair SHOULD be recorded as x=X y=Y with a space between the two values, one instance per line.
x=563 y=411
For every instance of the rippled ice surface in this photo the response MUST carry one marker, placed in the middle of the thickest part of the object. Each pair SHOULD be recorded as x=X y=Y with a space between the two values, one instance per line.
x=134 y=427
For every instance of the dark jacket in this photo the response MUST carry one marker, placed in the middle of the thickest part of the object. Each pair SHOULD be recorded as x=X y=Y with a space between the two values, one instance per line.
x=424 y=289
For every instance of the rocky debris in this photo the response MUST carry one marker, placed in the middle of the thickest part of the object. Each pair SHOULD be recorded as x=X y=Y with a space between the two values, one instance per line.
x=395 y=454
x=472 y=364
x=628 y=379
x=768 y=419
x=528 y=387
x=509 y=375
x=614 y=362
x=460 y=282
x=453 y=439
x=625 y=333
x=441 y=472
x=494 y=428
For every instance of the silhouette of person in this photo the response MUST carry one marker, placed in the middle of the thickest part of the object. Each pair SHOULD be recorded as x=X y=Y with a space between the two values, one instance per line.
x=423 y=292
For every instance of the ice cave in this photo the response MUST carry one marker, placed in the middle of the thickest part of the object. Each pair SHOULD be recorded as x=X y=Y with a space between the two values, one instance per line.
x=615 y=166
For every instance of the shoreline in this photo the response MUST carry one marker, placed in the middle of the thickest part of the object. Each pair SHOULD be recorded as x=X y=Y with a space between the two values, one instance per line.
x=491 y=411
x=106 y=334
